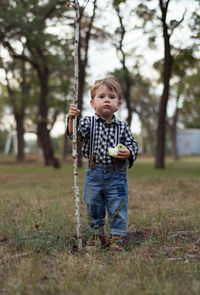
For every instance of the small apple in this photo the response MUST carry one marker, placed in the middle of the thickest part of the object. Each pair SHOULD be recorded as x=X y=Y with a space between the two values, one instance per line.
x=114 y=151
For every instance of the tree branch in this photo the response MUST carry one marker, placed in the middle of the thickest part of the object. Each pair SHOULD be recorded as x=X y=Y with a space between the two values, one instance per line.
x=178 y=23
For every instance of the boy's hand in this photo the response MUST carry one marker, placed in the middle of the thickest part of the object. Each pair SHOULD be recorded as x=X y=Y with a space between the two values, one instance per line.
x=123 y=154
x=73 y=111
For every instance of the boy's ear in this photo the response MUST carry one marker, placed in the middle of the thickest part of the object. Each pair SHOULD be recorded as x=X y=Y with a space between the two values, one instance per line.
x=92 y=103
x=119 y=104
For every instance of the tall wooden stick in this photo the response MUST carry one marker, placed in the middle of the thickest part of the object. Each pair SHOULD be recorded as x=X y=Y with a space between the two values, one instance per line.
x=75 y=101
x=75 y=5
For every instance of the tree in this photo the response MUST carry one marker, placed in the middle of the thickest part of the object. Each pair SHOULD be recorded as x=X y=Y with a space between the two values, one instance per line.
x=87 y=31
x=124 y=76
x=17 y=98
x=167 y=68
x=183 y=63
x=26 y=22
x=168 y=27
x=190 y=111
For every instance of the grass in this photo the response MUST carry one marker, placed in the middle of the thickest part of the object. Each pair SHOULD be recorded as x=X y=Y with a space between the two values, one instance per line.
x=38 y=253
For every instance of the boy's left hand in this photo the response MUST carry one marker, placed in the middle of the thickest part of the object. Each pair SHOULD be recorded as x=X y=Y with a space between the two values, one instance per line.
x=123 y=154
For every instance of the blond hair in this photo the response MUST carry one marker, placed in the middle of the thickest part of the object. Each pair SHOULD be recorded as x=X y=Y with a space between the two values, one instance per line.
x=111 y=82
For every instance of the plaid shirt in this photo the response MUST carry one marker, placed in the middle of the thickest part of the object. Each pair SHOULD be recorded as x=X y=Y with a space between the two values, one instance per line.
x=104 y=138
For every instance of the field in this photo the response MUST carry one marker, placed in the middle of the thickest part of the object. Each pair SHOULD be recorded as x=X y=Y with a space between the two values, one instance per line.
x=38 y=253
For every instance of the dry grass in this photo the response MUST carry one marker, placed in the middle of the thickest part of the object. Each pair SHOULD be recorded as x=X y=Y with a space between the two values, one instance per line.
x=38 y=242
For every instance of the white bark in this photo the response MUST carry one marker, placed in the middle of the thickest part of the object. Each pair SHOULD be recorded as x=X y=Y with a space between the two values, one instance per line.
x=74 y=141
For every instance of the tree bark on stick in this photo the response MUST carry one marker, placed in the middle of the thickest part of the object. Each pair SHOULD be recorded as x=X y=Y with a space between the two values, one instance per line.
x=74 y=141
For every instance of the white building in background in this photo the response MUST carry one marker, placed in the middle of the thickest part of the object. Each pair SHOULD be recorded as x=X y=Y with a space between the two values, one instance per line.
x=188 y=142
x=12 y=136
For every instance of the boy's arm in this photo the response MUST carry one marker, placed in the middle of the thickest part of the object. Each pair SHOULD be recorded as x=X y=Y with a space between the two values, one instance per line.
x=73 y=112
x=131 y=144
x=69 y=126
x=83 y=124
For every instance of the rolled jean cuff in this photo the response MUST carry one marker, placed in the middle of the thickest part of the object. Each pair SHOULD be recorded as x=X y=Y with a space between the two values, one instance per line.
x=118 y=232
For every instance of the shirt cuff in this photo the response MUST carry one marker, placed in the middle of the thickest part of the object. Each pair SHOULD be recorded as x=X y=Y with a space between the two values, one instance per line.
x=133 y=157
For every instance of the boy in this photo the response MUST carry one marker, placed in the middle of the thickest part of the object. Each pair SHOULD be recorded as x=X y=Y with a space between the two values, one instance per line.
x=106 y=180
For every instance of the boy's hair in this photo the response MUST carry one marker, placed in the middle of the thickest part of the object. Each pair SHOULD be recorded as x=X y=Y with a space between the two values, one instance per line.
x=111 y=83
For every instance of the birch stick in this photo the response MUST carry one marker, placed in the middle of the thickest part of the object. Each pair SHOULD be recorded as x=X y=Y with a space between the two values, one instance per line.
x=76 y=6
x=75 y=101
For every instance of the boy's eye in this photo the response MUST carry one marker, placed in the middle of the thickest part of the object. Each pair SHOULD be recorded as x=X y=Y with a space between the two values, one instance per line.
x=112 y=97
x=101 y=96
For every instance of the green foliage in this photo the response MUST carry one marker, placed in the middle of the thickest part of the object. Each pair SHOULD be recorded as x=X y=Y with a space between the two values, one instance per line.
x=122 y=75
x=58 y=143
x=26 y=34
x=118 y=2
x=145 y=13
x=3 y=136
x=191 y=105
x=195 y=25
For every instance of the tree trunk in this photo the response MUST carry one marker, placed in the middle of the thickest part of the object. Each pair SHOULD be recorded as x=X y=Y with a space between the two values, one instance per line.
x=127 y=97
x=20 y=137
x=161 y=131
x=43 y=132
x=126 y=76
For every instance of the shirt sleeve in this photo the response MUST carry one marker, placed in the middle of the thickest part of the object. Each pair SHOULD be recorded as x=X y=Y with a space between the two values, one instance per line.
x=129 y=141
x=82 y=130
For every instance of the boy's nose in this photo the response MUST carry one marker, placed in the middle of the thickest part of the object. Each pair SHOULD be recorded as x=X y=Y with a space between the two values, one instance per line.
x=107 y=98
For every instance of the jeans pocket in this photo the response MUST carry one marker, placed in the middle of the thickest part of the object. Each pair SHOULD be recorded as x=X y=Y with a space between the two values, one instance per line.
x=122 y=172
x=89 y=171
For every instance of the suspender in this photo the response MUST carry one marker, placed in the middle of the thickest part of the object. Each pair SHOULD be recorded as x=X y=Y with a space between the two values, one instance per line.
x=116 y=134
x=92 y=134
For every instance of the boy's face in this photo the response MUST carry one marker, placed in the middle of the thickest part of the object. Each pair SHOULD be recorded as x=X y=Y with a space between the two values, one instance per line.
x=105 y=102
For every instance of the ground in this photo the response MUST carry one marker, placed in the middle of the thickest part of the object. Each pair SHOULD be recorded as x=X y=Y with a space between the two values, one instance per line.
x=38 y=248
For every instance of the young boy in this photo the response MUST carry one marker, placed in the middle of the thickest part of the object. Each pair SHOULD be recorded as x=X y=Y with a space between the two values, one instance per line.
x=106 y=179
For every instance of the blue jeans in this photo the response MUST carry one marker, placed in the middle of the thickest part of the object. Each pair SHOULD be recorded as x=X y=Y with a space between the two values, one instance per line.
x=106 y=188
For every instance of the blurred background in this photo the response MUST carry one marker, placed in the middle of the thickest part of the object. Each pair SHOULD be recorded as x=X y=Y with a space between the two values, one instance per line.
x=150 y=46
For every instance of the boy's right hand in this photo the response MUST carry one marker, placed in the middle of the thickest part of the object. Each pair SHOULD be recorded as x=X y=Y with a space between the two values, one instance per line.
x=73 y=111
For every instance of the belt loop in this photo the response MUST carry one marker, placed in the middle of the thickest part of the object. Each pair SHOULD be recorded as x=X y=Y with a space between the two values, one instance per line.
x=91 y=162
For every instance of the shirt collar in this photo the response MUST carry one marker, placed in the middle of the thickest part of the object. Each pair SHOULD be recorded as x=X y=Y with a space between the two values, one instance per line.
x=114 y=119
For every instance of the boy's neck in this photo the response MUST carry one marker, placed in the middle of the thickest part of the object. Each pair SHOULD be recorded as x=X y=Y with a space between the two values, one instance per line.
x=109 y=119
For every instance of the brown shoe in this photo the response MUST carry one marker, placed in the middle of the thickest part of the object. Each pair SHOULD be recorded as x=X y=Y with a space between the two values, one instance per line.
x=105 y=243
x=97 y=241
x=117 y=243
x=92 y=243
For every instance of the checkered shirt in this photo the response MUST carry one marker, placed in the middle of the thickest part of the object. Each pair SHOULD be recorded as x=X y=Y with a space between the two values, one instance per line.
x=104 y=138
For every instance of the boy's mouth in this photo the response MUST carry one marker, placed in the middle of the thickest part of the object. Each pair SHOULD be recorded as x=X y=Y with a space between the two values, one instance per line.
x=107 y=106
